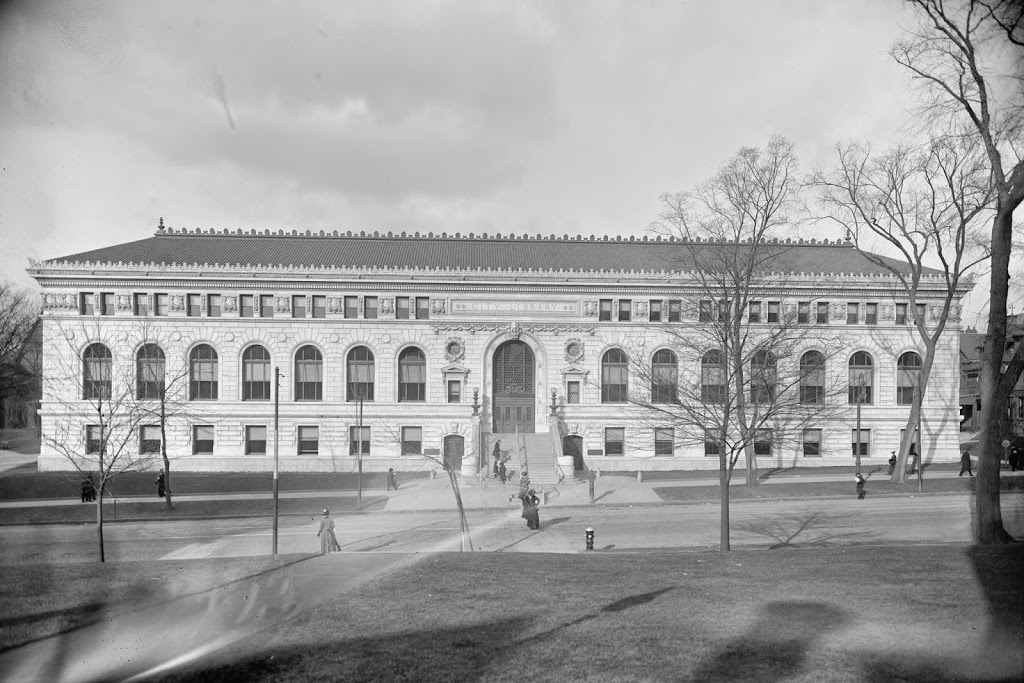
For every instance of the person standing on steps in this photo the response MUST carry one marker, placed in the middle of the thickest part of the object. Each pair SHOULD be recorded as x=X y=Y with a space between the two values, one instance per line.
x=496 y=454
x=501 y=472
x=328 y=541
x=965 y=464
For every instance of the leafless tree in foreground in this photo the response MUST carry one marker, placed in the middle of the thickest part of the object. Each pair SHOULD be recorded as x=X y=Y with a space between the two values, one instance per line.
x=927 y=205
x=968 y=59
x=19 y=365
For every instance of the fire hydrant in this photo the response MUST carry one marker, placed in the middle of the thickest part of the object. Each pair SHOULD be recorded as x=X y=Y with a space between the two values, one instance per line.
x=590 y=538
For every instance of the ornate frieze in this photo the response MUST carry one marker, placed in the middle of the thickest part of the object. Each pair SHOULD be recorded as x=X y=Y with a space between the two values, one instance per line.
x=533 y=329
x=56 y=302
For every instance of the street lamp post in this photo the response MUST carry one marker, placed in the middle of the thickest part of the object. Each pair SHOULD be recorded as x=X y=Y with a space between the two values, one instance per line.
x=359 y=455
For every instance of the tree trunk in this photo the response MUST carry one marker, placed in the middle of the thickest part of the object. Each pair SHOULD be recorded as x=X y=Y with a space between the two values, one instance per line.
x=988 y=515
x=723 y=479
x=899 y=475
x=163 y=453
x=463 y=522
x=99 y=519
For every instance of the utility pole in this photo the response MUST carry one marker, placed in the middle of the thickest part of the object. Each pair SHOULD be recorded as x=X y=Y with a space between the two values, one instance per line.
x=920 y=436
x=277 y=395
x=359 y=457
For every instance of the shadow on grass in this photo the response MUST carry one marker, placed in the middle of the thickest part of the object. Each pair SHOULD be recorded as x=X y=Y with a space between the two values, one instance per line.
x=606 y=493
x=802 y=528
x=775 y=647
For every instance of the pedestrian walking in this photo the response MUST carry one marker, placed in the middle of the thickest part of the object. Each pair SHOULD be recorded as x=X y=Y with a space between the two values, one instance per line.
x=965 y=464
x=88 y=489
x=328 y=541
x=502 y=474
x=892 y=463
x=160 y=490
x=860 y=486
x=524 y=484
x=392 y=482
x=531 y=510
x=496 y=454
x=912 y=458
x=1015 y=463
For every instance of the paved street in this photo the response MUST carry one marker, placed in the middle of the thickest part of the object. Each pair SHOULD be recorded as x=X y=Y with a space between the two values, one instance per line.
x=933 y=518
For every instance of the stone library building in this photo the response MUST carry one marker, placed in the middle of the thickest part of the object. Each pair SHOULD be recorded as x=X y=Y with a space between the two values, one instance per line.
x=405 y=351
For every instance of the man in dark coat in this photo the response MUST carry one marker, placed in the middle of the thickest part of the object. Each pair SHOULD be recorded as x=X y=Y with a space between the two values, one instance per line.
x=496 y=454
x=160 y=484
x=892 y=463
x=965 y=464
x=501 y=473
x=88 y=489
x=392 y=481
x=1015 y=463
x=860 y=486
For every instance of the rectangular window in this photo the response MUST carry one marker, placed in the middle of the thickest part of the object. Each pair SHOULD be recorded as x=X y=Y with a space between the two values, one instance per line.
x=920 y=312
x=821 y=316
x=614 y=440
x=309 y=440
x=763 y=443
x=754 y=315
x=852 y=313
x=664 y=441
x=865 y=442
x=93 y=439
x=711 y=447
x=246 y=305
x=454 y=391
x=803 y=312
x=141 y=304
x=255 y=440
x=812 y=443
x=298 y=307
x=351 y=307
x=107 y=303
x=901 y=314
x=195 y=306
x=605 y=310
x=625 y=310
x=85 y=304
x=402 y=307
x=705 y=311
x=266 y=306
x=370 y=307
x=319 y=306
x=675 y=310
x=773 y=311
x=871 y=314
x=359 y=441
x=572 y=392
x=412 y=440
x=422 y=308
x=655 y=314
x=202 y=440
x=213 y=305
x=160 y=304
x=149 y=439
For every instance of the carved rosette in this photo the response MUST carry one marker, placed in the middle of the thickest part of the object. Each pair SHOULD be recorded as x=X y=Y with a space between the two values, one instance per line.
x=574 y=350
x=454 y=349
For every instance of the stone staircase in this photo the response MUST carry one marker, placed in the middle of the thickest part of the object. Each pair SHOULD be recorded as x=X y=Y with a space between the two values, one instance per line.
x=534 y=454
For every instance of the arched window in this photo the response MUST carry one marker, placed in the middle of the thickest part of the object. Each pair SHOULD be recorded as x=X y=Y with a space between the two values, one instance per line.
x=256 y=374
x=150 y=366
x=908 y=369
x=862 y=378
x=664 y=377
x=203 y=373
x=360 y=374
x=309 y=374
x=812 y=377
x=614 y=376
x=97 y=367
x=412 y=375
x=763 y=376
x=712 y=377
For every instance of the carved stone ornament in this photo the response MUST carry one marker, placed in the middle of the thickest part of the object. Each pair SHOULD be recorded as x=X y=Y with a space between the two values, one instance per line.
x=177 y=302
x=59 y=301
x=283 y=304
x=838 y=311
x=387 y=305
x=640 y=308
x=934 y=312
x=334 y=304
x=589 y=308
x=954 y=312
x=231 y=303
x=124 y=302
x=574 y=350
x=514 y=330
x=436 y=305
x=454 y=349
x=888 y=312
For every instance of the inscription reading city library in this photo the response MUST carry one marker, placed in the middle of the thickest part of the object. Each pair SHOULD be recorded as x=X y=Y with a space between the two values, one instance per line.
x=548 y=307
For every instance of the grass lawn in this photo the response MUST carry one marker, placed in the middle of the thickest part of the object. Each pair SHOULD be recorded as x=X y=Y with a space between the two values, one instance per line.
x=20 y=440
x=923 y=613
x=41 y=600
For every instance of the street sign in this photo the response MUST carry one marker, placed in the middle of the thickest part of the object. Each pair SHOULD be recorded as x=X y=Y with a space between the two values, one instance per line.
x=1006 y=443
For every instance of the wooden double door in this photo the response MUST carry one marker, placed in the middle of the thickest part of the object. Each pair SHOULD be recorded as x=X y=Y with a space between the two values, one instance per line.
x=514 y=389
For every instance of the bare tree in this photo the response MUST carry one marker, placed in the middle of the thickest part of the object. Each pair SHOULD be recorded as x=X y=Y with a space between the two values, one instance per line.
x=748 y=390
x=19 y=362
x=968 y=58
x=90 y=401
x=926 y=205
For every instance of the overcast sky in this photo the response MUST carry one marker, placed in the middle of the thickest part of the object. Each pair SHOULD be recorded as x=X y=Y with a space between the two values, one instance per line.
x=539 y=117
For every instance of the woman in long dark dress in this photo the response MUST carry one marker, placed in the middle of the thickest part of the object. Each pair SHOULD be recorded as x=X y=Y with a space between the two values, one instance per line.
x=328 y=541
x=531 y=510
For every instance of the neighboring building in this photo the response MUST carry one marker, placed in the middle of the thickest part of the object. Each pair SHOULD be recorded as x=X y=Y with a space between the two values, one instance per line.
x=453 y=342
x=971 y=345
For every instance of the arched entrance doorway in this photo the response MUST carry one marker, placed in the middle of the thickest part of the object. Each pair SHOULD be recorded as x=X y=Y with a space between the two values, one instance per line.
x=454 y=448
x=513 y=388
x=573 y=445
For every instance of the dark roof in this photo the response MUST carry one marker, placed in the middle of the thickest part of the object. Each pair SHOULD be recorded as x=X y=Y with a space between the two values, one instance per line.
x=388 y=251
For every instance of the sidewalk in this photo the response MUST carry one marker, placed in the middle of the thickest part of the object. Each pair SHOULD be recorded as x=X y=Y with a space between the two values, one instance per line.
x=436 y=494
